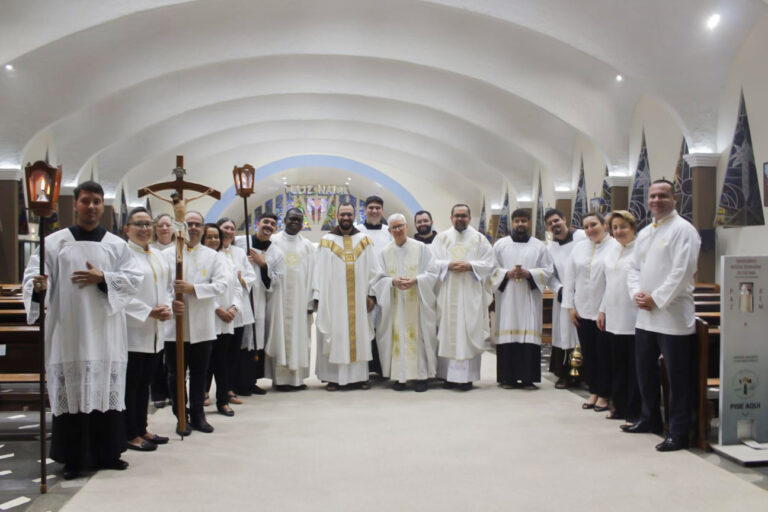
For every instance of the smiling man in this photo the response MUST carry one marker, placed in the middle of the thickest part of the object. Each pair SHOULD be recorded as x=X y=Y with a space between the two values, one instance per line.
x=464 y=258
x=344 y=270
x=90 y=279
x=660 y=278
x=289 y=308
x=269 y=263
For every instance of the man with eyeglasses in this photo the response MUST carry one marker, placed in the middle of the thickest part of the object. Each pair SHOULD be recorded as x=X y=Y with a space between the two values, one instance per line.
x=90 y=279
x=464 y=259
x=404 y=290
x=204 y=279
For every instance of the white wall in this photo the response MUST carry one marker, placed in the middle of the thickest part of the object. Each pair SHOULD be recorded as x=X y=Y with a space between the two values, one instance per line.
x=663 y=137
x=750 y=73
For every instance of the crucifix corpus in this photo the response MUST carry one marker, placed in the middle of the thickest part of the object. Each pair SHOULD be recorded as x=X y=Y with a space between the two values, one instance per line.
x=179 y=213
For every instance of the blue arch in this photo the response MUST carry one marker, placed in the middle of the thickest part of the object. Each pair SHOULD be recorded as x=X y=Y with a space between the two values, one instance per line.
x=340 y=162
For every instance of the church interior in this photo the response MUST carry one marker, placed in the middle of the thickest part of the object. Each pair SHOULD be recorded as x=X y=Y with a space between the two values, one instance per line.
x=498 y=104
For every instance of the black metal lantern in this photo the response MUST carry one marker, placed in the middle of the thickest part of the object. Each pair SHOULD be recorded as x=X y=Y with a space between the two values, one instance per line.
x=244 y=177
x=43 y=183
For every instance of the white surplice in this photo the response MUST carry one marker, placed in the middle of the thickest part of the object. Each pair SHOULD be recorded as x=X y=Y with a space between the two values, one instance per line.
x=86 y=351
x=344 y=269
x=239 y=260
x=519 y=307
x=288 y=313
x=145 y=334
x=232 y=296
x=564 y=335
x=205 y=270
x=584 y=288
x=260 y=293
x=378 y=237
x=462 y=303
x=407 y=328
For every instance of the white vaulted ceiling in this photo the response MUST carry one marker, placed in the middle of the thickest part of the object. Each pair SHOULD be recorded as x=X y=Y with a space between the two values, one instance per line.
x=468 y=94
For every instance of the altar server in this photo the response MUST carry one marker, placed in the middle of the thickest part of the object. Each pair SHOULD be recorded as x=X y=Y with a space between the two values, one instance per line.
x=523 y=268
x=564 y=335
x=344 y=269
x=90 y=277
x=407 y=326
x=203 y=281
x=464 y=259
x=289 y=309
x=660 y=278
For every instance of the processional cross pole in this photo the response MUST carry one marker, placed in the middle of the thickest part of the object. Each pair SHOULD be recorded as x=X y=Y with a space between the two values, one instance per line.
x=179 y=213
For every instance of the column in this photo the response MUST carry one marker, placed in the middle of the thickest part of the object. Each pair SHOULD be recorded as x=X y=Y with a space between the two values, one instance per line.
x=619 y=192
x=564 y=203
x=704 y=173
x=10 y=179
x=66 y=208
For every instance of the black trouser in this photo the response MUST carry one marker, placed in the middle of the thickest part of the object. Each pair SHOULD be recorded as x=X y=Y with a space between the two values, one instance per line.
x=139 y=374
x=196 y=357
x=560 y=363
x=160 y=379
x=603 y=370
x=678 y=360
x=234 y=369
x=588 y=333
x=625 y=392
x=219 y=368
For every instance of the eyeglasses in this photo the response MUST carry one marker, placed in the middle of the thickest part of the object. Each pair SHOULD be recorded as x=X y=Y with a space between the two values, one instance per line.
x=398 y=227
x=141 y=225
x=194 y=225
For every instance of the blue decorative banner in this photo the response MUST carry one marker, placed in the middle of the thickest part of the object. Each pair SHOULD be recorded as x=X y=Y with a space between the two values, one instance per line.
x=580 y=203
x=605 y=195
x=540 y=232
x=740 y=203
x=638 y=203
x=503 y=229
x=684 y=185
x=482 y=226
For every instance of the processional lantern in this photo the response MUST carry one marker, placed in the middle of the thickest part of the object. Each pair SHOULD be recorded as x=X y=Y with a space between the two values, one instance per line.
x=244 y=177
x=43 y=183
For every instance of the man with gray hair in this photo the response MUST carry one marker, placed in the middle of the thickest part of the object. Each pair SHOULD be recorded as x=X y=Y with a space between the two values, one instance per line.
x=404 y=288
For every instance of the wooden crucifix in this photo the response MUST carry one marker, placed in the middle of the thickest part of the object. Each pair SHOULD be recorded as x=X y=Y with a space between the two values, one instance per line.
x=179 y=213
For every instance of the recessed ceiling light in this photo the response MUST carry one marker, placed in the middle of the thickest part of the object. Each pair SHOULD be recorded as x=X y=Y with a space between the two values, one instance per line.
x=9 y=67
x=713 y=21
x=619 y=78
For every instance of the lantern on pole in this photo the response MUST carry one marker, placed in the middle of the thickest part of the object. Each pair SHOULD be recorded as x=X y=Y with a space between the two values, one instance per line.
x=43 y=183
x=244 y=177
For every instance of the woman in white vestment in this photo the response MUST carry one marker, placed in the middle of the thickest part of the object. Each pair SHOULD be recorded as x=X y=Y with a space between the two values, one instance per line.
x=584 y=289
x=225 y=329
x=163 y=239
x=617 y=316
x=149 y=307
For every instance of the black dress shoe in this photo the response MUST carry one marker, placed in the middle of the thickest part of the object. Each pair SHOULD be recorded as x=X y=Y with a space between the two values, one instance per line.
x=640 y=427
x=157 y=439
x=187 y=430
x=201 y=425
x=671 y=444
x=70 y=472
x=398 y=386
x=420 y=386
x=449 y=385
x=299 y=388
x=225 y=410
x=465 y=386
x=144 y=446
x=256 y=390
x=284 y=388
x=118 y=464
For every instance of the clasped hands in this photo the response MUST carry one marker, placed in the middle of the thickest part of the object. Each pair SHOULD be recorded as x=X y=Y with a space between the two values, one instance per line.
x=226 y=315
x=403 y=283
x=644 y=301
x=161 y=312
x=518 y=273
x=459 y=266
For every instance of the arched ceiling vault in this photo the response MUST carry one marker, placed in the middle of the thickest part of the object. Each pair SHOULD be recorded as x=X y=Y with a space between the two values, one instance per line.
x=495 y=88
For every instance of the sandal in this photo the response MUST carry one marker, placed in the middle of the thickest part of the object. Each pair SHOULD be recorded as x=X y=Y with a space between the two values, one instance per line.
x=587 y=405
x=332 y=386
x=601 y=408
x=365 y=385
x=234 y=399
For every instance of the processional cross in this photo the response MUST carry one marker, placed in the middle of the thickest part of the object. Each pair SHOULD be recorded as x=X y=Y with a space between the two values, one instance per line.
x=179 y=213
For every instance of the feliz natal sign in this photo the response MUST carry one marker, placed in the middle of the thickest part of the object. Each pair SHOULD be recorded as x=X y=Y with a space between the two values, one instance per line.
x=317 y=190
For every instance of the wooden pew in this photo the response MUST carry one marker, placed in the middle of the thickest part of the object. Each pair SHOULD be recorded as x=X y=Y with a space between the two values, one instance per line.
x=20 y=344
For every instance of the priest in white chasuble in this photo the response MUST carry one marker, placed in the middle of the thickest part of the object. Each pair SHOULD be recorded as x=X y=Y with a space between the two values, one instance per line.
x=269 y=264
x=523 y=269
x=205 y=278
x=405 y=291
x=564 y=335
x=90 y=278
x=290 y=307
x=464 y=258
x=345 y=267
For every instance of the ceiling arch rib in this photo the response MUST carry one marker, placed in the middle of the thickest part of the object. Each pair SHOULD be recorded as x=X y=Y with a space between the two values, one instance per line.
x=451 y=161
x=567 y=83
x=495 y=154
x=542 y=135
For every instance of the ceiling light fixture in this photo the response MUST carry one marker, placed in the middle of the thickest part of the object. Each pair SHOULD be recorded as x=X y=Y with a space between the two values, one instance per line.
x=9 y=67
x=619 y=78
x=713 y=21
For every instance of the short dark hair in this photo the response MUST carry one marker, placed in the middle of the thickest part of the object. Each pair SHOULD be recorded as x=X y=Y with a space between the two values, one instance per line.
x=206 y=227
x=89 y=186
x=664 y=180
x=374 y=199
x=593 y=214
x=222 y=220
x=268 y=215
x=138 y=209
x=551 y=212
x=293 y=210
x=346 y=203
x=461 y=205
x=422 y=212
x=521 y=212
